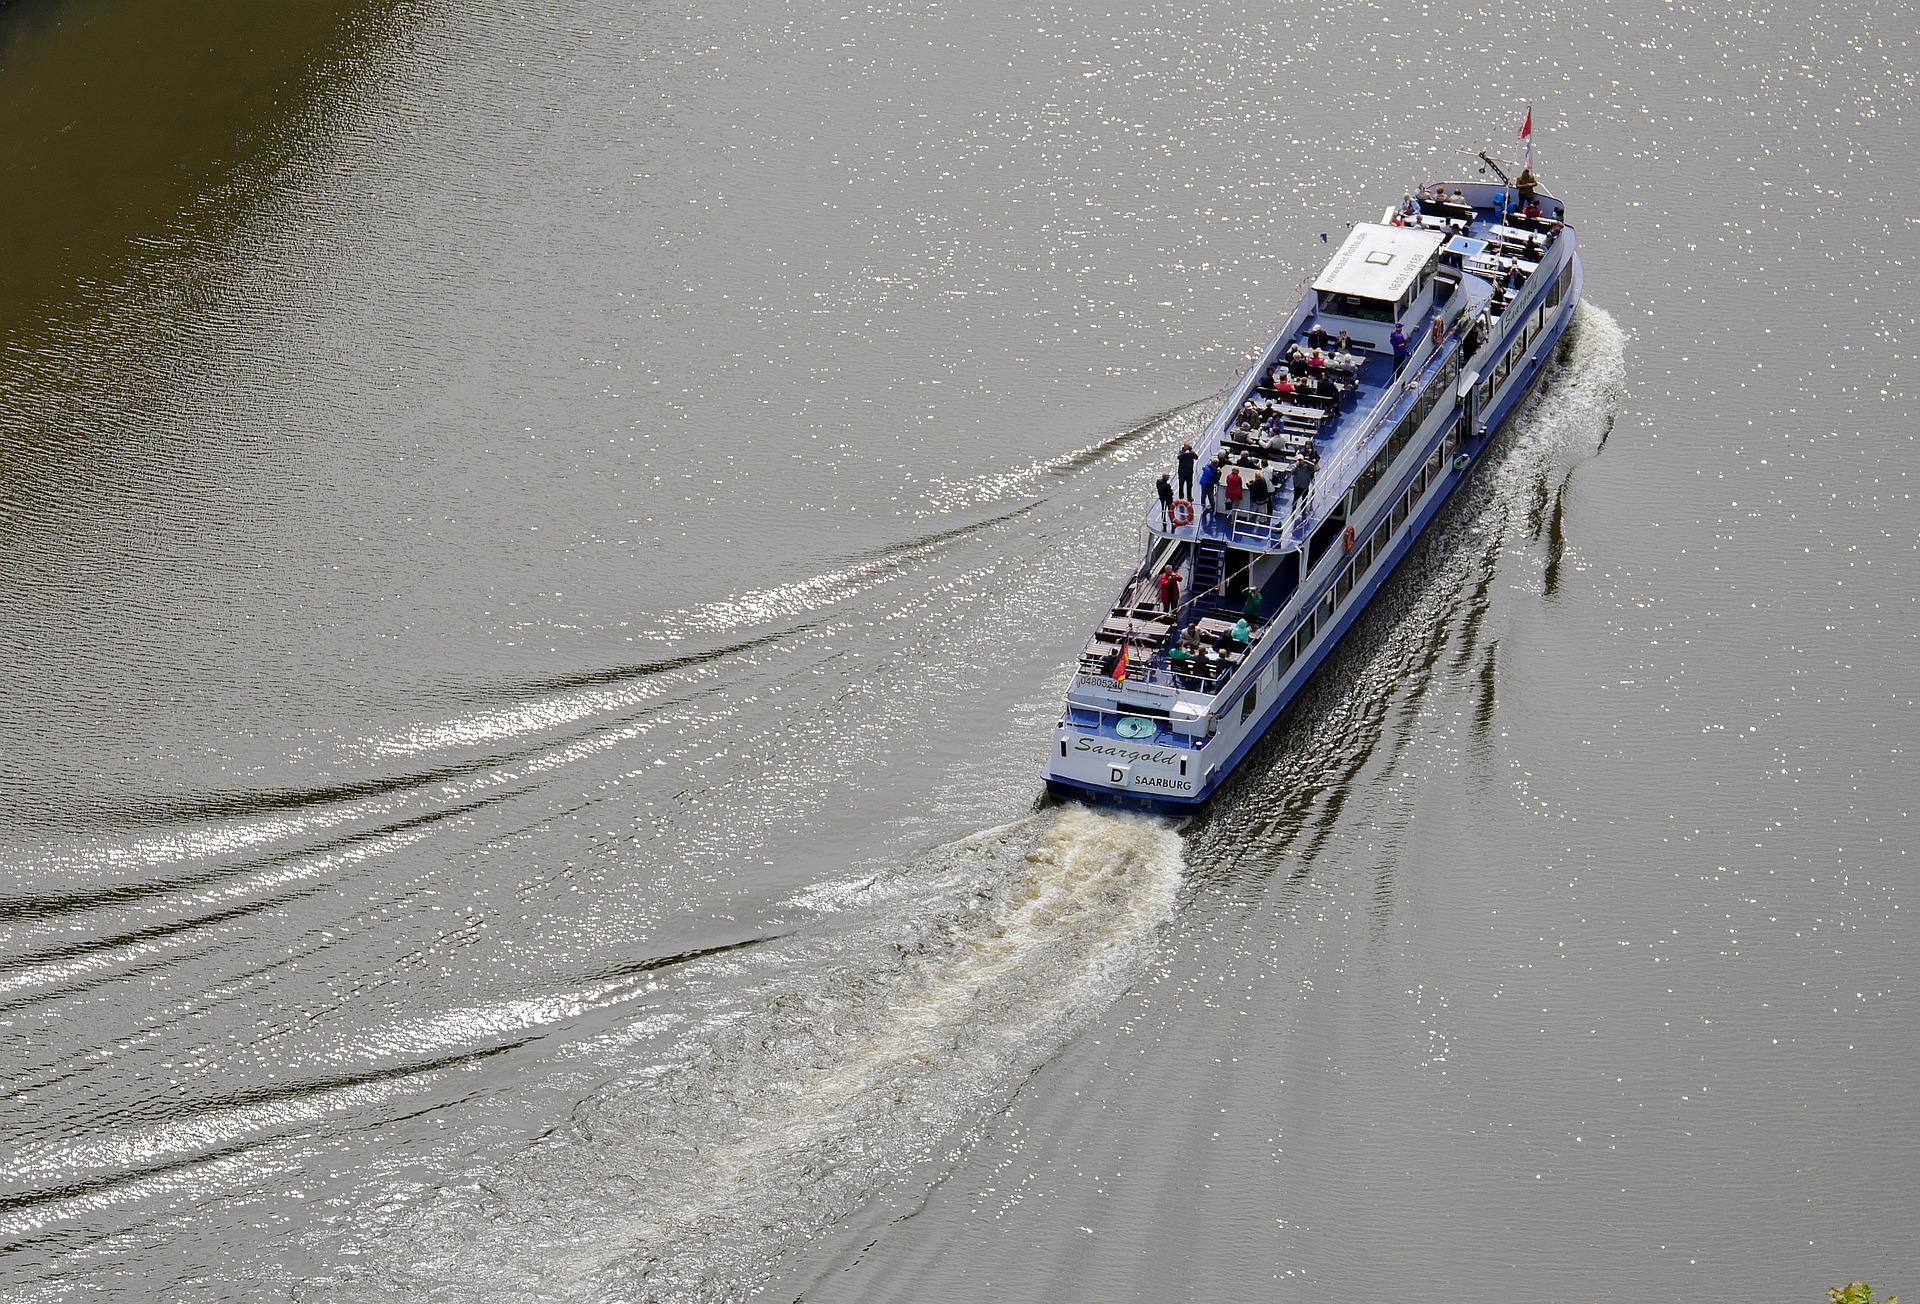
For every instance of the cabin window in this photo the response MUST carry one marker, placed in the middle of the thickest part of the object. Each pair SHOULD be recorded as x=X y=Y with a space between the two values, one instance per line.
x=1324 y=537
x=1248 y=702
x=1399 y=513
x=1326 y=611
x=1370 y=477
x=1344 y=585
x=1283 y=658
x=1352 y=305
x=1398 y=439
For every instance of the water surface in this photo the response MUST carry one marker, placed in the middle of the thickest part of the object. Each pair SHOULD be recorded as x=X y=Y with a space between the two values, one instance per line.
x=538 y=554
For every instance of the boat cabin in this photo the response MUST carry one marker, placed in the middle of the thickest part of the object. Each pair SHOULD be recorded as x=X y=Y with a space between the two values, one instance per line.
x=1381 y=275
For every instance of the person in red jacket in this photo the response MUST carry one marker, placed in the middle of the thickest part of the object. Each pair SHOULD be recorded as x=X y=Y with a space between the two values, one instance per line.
x=1170 y=589
x=1235 y=486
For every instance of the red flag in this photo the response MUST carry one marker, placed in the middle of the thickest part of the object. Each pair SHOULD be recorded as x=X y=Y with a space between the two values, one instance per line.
x=1120 y=666
x=1526 y=125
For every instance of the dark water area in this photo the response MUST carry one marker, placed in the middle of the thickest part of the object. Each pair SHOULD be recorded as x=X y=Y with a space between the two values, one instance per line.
x=539 y=552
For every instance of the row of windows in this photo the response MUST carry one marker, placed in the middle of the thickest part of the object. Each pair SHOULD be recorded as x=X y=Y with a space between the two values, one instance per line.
x=1522 y=338
x=1561 y=284
x=1513 y=355
x=1364 y=556
x=1441 y=390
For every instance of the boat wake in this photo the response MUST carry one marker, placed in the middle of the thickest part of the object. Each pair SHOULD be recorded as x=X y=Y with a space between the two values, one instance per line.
x=925 y=997
x=1435 y=624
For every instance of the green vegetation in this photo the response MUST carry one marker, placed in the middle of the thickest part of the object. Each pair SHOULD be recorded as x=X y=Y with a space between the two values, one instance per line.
x=1857 y=1293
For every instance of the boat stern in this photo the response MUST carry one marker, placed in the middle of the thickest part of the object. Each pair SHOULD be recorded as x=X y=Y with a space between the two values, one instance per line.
x=1137 y=774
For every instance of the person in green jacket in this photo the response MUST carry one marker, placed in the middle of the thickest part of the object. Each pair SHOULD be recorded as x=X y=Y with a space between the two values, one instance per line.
x=1250 y=604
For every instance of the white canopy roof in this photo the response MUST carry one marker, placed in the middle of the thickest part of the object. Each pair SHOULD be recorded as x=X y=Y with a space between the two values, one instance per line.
x=1379 y=262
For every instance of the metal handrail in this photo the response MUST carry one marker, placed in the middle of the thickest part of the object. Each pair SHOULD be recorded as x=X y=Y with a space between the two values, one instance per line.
x=1360 y=446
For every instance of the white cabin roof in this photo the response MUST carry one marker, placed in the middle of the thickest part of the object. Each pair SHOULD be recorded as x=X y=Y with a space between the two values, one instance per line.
x=1379 y=262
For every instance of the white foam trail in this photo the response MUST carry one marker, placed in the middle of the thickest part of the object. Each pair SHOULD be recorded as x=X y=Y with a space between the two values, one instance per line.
x=879 y=1040
x=1577 y=406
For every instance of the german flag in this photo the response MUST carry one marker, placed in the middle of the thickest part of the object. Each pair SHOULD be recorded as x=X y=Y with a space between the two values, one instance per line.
x=1120 y=666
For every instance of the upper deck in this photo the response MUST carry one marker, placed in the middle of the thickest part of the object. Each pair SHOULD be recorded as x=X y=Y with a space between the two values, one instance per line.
x=1305 y=431
x=1308 y=439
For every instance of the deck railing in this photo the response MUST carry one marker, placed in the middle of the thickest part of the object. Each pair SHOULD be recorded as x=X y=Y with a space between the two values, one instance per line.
x=1331 y=481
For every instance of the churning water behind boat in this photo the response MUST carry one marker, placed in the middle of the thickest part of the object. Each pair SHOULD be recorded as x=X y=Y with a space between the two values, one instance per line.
x=938 y=987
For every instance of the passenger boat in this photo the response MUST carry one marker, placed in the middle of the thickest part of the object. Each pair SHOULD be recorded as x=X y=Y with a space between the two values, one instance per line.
x=1360 y=447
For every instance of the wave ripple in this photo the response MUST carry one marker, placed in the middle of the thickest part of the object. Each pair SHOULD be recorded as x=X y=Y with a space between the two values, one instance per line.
x=947 y=983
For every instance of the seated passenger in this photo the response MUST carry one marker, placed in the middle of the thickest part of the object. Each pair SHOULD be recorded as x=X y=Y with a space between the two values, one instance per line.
x=1317 y=337
x=1242 y=633
x=1409 y=206
x=1343 y=344
x=1284 y=385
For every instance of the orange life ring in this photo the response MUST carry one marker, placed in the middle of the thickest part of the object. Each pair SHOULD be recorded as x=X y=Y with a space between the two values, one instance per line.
x=1182 y=512
x=1346 y=539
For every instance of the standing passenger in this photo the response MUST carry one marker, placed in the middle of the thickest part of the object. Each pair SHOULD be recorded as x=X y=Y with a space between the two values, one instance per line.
x=1400 y=351
x=1186 y=460
x=1164 y=487
x=1303 y=474
x=1259 y=496
x=1209 y=477
x=1234 y=485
